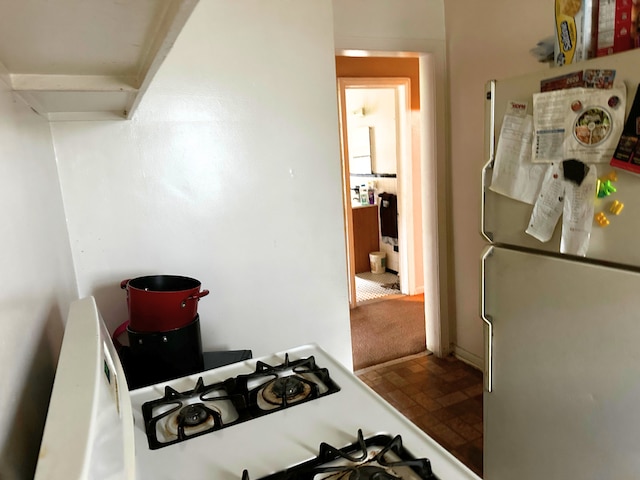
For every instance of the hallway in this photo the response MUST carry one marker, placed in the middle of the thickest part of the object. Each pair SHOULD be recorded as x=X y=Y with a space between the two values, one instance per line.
x=386 y=330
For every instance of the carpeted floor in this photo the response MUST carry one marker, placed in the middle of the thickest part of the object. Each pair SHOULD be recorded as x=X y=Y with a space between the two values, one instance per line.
x=387 y=330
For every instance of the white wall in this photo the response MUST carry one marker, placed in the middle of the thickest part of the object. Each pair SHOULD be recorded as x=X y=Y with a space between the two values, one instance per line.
x=379 y=106
x=229 y=173
x=38 y=281
x=485 y=40
x=383 y=20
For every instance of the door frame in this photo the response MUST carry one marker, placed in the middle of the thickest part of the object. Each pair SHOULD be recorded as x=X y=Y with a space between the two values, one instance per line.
x=436 y=226
x=402 y=89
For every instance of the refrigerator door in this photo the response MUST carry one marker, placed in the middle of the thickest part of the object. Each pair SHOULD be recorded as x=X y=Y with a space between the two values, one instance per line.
x=566 y=369
x=505 y=220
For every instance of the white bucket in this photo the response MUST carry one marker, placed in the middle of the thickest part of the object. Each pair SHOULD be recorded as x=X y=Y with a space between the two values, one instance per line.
x=378 y=261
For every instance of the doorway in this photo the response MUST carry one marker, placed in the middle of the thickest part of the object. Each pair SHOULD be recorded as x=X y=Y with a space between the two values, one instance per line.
x=428 y=105
x=362 y=100
x=383 y=220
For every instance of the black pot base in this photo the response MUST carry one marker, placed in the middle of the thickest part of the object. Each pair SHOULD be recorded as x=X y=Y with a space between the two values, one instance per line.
x=160 y=356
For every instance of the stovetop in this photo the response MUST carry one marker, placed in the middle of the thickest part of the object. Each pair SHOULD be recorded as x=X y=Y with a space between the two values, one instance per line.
x=268 y=442
x=376 y=458
x=322 y=423
x=179 y=416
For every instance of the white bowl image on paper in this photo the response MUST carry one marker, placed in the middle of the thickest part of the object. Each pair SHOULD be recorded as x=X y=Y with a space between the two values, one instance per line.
x=592 y=126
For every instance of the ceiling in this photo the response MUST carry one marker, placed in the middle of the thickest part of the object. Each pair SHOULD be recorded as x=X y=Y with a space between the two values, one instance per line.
x=86 y=59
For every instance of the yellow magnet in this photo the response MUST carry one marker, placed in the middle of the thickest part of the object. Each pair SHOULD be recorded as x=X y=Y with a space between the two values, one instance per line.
x=616 y=207
x=611 y=176
x=601 y=219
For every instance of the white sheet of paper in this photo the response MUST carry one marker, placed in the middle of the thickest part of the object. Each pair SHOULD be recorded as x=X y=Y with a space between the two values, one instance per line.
x=577 y=218
x=548 y=127
x=514 y=175
x=580 y=123
x=549 y=204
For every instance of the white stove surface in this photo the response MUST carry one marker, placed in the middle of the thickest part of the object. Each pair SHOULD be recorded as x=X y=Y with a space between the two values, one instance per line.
x=281 y=439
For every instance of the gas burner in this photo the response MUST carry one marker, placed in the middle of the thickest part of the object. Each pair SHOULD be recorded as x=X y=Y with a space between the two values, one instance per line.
x=292 y=382
x=286 y=390
x=370 y=473
x=377 y=458
x=180 y=416
x=192 y=419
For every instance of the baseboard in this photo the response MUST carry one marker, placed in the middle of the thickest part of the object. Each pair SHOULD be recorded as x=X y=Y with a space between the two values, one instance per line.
x=468 y=357
x=426 y=353
x=418 y=291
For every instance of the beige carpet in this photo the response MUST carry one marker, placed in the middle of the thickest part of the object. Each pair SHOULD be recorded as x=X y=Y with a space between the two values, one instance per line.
x=387 y=330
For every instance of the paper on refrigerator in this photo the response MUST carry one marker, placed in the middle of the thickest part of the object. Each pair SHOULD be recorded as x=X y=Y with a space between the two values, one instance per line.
x=579 y=123
x=514 y=175
x=577 y=216
x=549 y=204
x=575 y=203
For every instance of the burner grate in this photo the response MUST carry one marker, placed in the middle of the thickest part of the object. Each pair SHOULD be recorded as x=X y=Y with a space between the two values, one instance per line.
x=377 y=458
x=276 y=387
x=179 y=416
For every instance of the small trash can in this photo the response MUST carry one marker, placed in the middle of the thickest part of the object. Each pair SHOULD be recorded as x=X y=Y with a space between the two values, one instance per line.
x=378 y=261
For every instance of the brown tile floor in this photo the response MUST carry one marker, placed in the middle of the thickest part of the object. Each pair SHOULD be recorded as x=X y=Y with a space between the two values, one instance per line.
x=442 y=396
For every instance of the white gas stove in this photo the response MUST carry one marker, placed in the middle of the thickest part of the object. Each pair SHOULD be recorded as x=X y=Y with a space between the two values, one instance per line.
x=297 y=414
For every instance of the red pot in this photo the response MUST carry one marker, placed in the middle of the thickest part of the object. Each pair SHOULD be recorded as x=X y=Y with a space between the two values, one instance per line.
x=158 y=303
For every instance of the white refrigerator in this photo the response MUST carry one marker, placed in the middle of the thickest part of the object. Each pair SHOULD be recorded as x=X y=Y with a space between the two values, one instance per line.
x=562 y=332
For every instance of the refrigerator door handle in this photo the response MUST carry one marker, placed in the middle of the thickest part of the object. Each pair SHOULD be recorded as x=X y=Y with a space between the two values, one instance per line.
x=487 y=235
x=488 y=367
x=490 y=139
